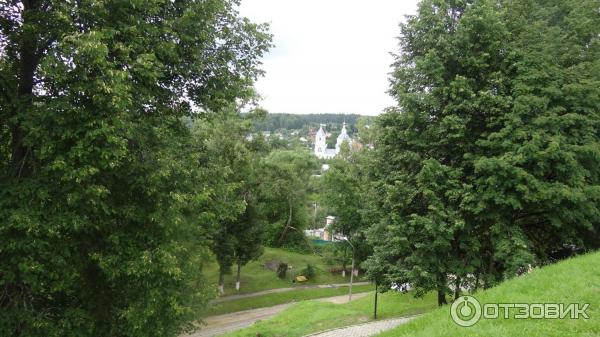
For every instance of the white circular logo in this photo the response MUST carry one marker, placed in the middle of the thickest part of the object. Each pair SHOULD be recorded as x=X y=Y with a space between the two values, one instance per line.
x=466 y=311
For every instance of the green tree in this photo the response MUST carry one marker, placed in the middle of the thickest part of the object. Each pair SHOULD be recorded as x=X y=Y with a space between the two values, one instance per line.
x=490 y=161
x=280 y=121
x=448 y=81
x=250 y=234
x=285 y=175
x=233 y=160
x=332 y=139
x=251 y=225
x=103 y=219
x=539 y=177
x=367 y=130
x=223 y=154
x=343 y=192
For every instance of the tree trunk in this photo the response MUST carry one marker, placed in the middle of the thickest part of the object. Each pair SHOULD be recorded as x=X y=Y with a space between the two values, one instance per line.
x=442 y=283
x=456 y=288
x=351 y=277
x=490 y=274
x=221 y=282
x=344 y=263
x=375 y=306
x=289 y=222
x=441 y=297
x=237 y=279
x=28 y=63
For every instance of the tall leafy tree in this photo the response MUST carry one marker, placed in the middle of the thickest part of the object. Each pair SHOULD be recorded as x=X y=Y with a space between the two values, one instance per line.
x=285 y=174
x=250 y=227
x=344 y=188
x=489 y=162
x=250 y=233
x=233 y=161
x=539 y=176
x=448 y=81
x=367 y=130
x=103 y=219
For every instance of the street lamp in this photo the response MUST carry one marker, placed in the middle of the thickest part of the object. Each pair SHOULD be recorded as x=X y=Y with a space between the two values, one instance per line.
x=352 y=270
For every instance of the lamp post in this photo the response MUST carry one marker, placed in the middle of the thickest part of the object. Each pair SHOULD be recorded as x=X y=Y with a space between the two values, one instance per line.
x=352 y=270
x=375 y=306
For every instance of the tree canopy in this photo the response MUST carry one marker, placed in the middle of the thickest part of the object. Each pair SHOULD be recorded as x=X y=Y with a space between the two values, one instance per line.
x=284 y=185
x=104 y=214
x=489 y=163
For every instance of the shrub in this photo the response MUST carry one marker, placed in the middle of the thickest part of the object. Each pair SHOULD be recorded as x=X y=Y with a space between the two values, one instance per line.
x=310 y=271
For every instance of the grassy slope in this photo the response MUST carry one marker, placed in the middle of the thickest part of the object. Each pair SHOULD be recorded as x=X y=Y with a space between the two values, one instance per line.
x=280 y=298
x=255 y=277
x=313 y=316
x=573 y=281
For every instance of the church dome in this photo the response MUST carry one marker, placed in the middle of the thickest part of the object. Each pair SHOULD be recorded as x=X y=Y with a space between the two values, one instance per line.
x=321 y=132
x=321 y=150
x=343 y=137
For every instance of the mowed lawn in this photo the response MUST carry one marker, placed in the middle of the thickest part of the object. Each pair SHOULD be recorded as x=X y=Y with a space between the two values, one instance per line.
x=314 y=316
x=255 y=277
x=281 y=298
x=576 y=280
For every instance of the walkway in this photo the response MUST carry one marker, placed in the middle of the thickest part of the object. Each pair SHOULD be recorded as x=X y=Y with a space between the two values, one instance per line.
x=342 y=298
x=217 y=325
x=363 y=330
x=282 y=290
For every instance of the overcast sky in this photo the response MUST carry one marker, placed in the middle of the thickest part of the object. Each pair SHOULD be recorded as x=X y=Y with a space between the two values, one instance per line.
x=330 y=56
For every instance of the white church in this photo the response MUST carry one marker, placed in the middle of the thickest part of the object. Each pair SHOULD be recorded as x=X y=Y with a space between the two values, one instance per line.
x=321 y=150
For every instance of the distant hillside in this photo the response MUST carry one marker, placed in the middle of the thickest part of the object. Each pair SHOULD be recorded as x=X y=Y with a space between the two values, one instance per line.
x=278 y=121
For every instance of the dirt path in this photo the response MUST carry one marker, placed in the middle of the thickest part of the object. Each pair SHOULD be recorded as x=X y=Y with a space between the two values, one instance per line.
x=363 y=330
x=217 y=325
x=342 y=298
x=282 y=290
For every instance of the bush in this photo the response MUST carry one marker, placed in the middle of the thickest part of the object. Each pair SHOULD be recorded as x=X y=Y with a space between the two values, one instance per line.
x=310 y=271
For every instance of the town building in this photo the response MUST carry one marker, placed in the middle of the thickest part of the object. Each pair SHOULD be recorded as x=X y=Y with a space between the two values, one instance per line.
x=325 y=233
x=321 y=150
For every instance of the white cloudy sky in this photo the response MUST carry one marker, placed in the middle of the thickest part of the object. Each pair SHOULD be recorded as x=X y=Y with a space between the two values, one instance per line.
x=331 y=56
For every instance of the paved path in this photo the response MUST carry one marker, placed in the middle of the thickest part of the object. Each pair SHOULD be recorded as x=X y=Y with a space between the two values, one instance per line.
x=217 y=325
x=363 y=330
x=342 y=298
x=282 y=290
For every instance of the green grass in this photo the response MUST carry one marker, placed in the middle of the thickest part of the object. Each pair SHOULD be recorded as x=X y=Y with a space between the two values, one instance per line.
x=575 y=280
x=313 y=316
x=281 y=298
x=254 y=277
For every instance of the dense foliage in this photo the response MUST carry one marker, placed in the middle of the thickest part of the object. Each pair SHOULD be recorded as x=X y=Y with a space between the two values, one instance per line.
x=491 y=160
x=285 y=174
x=345 y=189
x=105 y=214
x=276 y=121
x=125 y=163
x=234 y=161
